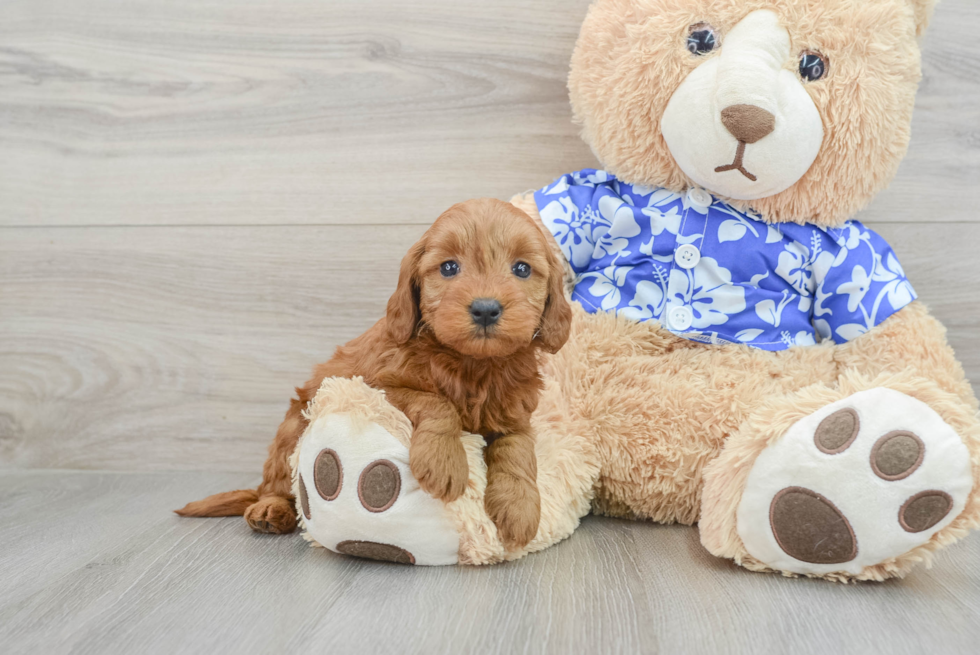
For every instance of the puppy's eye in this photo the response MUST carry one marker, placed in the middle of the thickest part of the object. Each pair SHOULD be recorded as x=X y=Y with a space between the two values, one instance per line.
x=701 y=39
x=813 y=66
x=449 y=269
x=521 y=269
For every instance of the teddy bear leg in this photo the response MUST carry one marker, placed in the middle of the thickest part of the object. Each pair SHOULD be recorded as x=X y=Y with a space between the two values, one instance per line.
x=355 y=491
x=857 y=482
x=356 y=494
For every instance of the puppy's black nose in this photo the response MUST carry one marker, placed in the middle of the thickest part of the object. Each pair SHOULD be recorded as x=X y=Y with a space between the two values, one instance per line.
x=486 y=311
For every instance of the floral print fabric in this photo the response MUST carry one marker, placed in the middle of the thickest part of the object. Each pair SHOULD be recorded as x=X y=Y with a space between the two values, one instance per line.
x=711 y=273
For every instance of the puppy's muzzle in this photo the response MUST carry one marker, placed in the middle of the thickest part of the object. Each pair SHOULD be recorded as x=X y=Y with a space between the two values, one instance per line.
x=485 y=311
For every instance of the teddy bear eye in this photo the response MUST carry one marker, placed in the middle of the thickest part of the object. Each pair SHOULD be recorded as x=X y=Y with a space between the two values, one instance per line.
x=522 y=269
x=449 y=269
x=813 y=66
x=701 y=39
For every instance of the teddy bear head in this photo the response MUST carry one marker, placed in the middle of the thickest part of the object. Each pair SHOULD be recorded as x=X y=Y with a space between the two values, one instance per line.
x=797 y=109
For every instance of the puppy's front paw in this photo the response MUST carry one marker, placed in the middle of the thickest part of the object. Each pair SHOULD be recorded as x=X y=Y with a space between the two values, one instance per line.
x=439 y=465
x=515 y=508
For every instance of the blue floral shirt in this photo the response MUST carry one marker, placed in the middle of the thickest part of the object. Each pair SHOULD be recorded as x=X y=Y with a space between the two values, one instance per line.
x=711 y=273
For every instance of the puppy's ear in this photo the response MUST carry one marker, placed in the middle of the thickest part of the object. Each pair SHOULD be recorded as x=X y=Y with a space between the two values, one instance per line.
x=556 y=321
x=403 y=307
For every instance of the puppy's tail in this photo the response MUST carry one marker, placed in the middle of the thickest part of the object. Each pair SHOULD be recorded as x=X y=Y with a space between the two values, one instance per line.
x=229 y=503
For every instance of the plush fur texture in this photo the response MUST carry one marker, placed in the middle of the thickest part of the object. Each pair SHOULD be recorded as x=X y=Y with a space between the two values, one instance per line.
x=727 y=474
x=675 y=425
x=631 y=57
x=444 y=370
x=567 y=462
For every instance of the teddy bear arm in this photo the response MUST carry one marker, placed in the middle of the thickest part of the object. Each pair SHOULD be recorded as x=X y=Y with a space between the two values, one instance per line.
x=911 y=339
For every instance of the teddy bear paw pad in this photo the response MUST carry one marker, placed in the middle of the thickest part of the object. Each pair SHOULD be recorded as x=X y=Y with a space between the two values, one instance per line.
x=357 y=496
x=858 y=482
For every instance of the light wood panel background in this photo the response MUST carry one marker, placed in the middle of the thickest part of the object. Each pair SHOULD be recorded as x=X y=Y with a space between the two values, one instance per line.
x=244 y=112
x=201 y=198
x=157 y=348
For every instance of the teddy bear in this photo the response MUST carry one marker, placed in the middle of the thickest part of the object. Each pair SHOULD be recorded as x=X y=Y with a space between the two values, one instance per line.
x=744 y=355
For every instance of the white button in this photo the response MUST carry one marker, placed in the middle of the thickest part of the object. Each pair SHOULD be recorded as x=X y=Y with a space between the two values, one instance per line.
x=699 y=197
x=687 y=256
x=681 y=318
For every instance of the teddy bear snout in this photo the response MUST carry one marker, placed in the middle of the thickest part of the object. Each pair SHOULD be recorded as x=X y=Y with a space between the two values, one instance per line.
x=742 y=124
x=748 y=123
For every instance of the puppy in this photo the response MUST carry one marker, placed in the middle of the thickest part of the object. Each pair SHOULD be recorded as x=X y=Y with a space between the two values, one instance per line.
x=477 y=296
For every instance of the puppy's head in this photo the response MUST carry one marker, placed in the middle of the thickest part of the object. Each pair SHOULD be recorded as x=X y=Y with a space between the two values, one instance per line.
x=484 y=280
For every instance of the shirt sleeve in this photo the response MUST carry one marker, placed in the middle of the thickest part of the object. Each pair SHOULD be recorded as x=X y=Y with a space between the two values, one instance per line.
x=865 y=285
x=565 y=209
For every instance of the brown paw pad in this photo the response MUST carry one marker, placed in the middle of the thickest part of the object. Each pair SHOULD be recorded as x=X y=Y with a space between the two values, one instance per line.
x=328 y=474
x=304 y=499
x=808 y=527
x=379 y=485
x=837 y=432
x=897 y=455
x=924 y=510
x=374 y=550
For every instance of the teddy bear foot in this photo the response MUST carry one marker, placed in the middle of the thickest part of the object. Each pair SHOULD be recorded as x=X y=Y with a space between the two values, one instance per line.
x=856 y=484
x=357 y=496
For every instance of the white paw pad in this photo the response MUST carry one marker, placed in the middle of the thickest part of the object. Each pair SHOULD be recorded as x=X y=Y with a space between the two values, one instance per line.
x=861 y=481
x=358 y=497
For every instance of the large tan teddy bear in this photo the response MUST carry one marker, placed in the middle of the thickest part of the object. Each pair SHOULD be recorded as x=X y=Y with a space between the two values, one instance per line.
x=743 y=355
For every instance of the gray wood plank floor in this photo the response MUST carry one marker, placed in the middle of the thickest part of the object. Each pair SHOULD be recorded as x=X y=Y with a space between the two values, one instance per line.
x=94 y=563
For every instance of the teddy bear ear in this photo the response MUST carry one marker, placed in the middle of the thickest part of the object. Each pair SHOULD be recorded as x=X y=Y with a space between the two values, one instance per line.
x=922 y=9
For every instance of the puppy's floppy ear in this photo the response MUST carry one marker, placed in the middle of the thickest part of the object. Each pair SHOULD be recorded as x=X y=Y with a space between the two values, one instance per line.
x=556 y=320
x=403 y=307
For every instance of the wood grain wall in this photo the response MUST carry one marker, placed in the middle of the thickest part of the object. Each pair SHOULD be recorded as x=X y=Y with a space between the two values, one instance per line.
x=200 y=198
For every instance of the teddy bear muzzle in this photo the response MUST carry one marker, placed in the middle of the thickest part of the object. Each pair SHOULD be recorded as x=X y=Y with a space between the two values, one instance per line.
x=741 y=124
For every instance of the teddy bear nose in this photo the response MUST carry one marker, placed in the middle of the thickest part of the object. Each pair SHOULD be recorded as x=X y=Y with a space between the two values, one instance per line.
x=748 y=123
x=486 y=311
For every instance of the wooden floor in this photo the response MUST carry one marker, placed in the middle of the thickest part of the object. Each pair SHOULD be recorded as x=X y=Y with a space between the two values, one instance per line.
x=201 y=198
x=93 y=563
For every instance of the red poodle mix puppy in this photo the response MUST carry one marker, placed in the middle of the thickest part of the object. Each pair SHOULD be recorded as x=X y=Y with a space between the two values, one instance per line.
x=477 y=296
